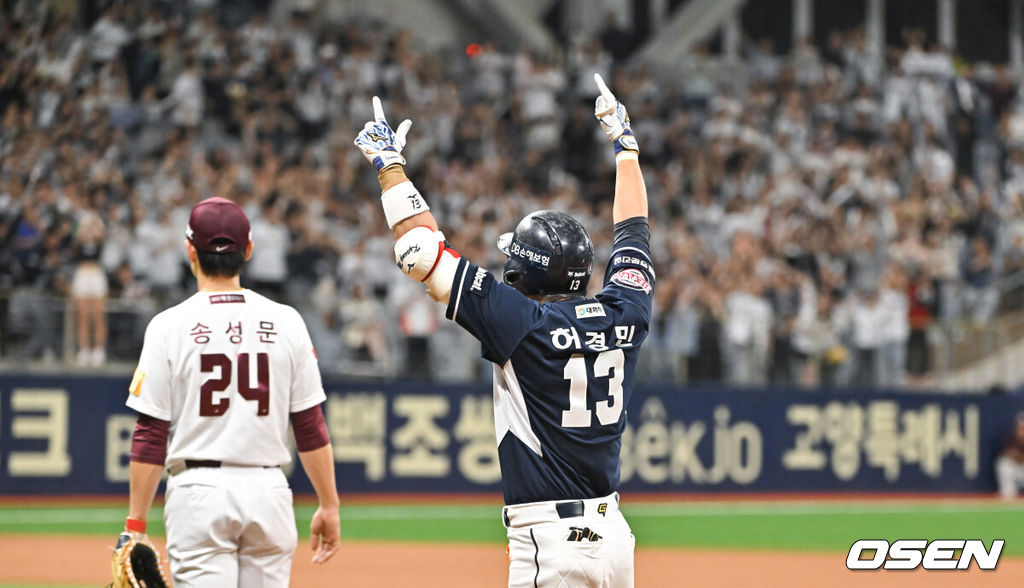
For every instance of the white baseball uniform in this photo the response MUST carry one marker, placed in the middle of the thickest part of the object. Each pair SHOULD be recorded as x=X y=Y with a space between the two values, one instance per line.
x=227 y=369
x=1009 y=476
x=549 y=546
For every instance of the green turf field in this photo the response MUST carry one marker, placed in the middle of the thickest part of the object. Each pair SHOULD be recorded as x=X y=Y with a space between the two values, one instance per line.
x=769 y=525
x=827 y=526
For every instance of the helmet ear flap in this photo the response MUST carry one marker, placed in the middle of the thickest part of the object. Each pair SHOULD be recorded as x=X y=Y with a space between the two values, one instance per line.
x=513 y=275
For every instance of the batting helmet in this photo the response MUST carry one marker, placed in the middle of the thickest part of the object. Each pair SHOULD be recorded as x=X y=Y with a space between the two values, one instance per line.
x=549 y=253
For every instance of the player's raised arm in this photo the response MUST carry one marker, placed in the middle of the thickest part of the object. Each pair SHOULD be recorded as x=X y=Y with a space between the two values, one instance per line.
x=421 y=251
x=630 y=191
x=404 y=207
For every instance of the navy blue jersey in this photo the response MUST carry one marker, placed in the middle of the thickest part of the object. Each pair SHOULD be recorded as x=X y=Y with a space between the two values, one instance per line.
x=563 y=374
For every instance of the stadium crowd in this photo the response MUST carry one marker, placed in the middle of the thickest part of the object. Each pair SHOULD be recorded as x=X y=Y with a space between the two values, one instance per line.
x=816 y=214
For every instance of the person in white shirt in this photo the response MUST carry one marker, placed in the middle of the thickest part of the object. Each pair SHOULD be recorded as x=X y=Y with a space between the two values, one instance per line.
x=895 y=329
x=186 y=97
x=868 y=323
x=269 y=269
x=747 y=335
x=108 y=36
x=220 y=378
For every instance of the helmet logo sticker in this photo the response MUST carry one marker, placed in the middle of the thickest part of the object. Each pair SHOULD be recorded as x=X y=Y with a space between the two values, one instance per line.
x=531 y=255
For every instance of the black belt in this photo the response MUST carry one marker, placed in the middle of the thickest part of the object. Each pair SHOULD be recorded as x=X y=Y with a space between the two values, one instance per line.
x=201 y=463
x=189 y=464
x=566 y=510
x=210 y=463
x=570 y=509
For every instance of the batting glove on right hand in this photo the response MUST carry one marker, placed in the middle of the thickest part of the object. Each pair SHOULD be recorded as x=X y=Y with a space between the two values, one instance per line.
x=614 y=119
x=380 y=145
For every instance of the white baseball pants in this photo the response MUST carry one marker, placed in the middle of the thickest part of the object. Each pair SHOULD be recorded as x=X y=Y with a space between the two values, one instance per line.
x=230 y=526
x=569 y=544
x=1009 y=476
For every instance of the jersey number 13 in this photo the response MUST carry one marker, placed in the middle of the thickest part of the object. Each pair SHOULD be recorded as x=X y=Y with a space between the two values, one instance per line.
x=608 y=411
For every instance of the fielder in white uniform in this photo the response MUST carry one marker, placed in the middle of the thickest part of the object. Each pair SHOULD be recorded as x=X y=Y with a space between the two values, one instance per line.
x=220 y=378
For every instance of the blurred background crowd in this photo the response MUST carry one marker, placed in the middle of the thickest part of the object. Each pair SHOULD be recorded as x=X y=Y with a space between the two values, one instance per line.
x=821 y=217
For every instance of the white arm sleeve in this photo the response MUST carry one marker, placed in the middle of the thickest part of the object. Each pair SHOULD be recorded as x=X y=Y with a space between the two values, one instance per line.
x=402 y=201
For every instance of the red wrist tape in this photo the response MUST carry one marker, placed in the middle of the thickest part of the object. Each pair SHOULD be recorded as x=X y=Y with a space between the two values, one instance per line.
x=136 y=525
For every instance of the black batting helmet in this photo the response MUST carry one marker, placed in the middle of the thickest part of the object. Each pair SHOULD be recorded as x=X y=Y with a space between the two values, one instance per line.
x=549 y=253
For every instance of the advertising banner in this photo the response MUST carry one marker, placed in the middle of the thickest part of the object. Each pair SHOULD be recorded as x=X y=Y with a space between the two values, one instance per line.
x=72 y=435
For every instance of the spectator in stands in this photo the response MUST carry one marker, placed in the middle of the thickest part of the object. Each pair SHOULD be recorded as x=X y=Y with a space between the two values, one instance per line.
x=364 y=332
x=108 y=36
x=833 y=160
x=418 y=321
x=89 y=290
x=978 y=271
x=268 y=270
x=747 y=334
x=921 y=311
x=783 y=295
x=816 y=341
x=1010 y=463
x=895 y=329
x=867 y=321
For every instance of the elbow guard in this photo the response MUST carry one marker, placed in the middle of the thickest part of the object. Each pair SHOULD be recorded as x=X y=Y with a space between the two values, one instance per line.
x=424 y=255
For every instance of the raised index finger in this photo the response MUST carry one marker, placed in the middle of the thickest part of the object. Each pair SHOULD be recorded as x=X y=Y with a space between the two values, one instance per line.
x=603 y=87
x=378 y=111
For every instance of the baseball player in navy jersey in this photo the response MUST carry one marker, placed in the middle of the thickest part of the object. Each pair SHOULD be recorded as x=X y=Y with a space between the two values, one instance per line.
x=563 y=363
x=220 y=378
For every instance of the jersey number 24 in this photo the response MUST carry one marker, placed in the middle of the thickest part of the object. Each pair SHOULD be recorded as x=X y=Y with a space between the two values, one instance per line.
x=209 y=362
x=608 y=411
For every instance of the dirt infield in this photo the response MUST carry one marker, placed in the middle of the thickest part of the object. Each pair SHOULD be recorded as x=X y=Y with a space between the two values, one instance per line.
x=85 y=561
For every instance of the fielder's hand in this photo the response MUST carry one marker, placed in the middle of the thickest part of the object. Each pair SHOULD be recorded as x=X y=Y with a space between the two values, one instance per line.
x=325 y=534
x=380 y=145
x=614 y=119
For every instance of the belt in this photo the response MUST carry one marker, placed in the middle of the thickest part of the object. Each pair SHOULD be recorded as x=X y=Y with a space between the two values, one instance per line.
x=568 y=510
x=532 y=513
x=201 y=463
x=565 y=510
x=189 y=464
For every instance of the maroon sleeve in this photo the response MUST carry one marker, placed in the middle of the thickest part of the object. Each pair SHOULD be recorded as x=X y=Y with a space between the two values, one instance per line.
x=149 y=442
x=310 y=429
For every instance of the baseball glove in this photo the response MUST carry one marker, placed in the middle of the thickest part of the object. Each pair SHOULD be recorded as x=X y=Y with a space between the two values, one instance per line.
x=136 y=563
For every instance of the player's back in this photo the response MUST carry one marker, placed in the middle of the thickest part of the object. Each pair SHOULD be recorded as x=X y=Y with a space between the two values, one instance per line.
x=227 y=369
x=563 y=373
x=574 y=370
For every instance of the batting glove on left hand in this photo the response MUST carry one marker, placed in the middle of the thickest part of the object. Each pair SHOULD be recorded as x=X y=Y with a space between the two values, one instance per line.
x=614 y=119
x=380 y=145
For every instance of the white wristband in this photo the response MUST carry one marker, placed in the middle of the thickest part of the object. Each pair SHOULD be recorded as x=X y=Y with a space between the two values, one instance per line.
x=624 y=155
x=402 y=201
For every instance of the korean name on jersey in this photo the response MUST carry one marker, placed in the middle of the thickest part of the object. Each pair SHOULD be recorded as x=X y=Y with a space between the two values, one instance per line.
x=563 y=374
x=227 y=369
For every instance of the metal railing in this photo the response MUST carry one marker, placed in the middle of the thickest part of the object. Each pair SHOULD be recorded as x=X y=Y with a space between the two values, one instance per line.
x=38 y=334
x=38 y=331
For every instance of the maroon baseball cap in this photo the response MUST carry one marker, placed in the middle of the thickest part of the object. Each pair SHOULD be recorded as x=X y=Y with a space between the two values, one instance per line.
x=218 y=225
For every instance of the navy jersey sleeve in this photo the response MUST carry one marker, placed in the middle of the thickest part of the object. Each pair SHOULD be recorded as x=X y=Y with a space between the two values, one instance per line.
x=497 y=315
x=629 y=277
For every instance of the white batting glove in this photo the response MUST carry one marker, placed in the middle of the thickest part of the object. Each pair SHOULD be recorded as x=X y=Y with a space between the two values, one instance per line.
x=380 y=145
x=614 y=119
